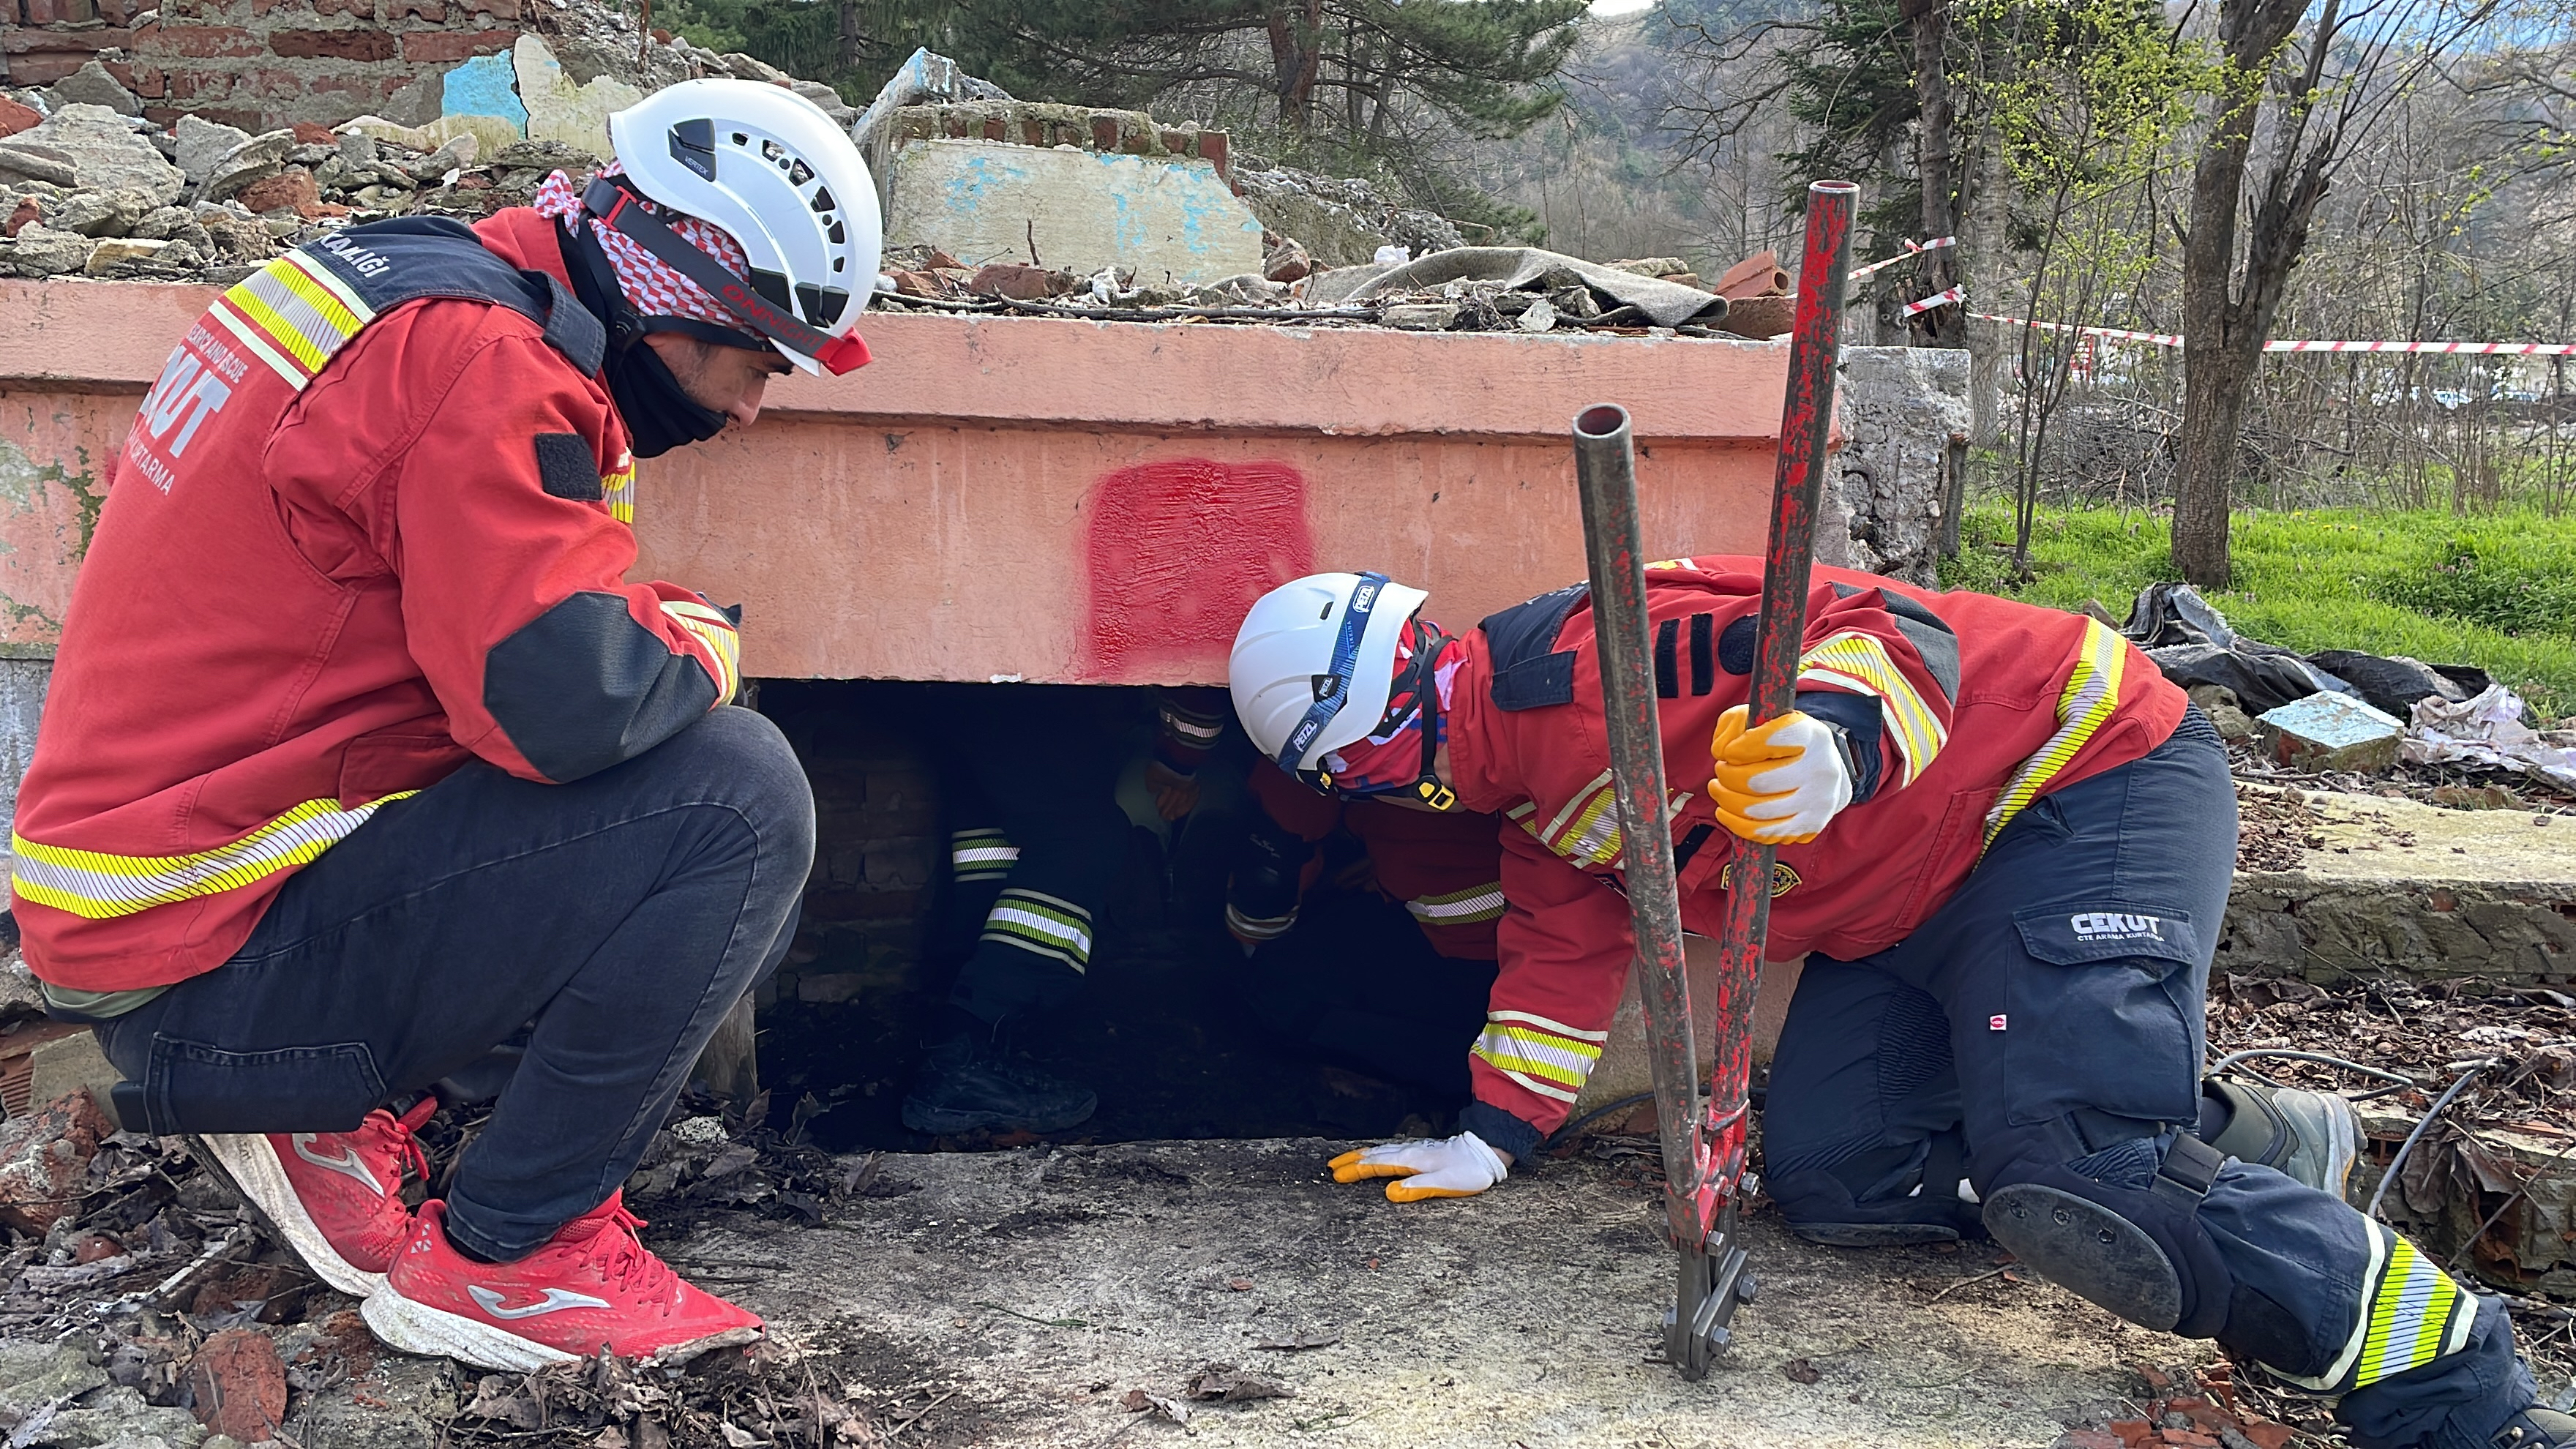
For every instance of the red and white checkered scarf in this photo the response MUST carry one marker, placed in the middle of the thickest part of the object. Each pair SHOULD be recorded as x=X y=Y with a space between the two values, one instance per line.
x=652 y=287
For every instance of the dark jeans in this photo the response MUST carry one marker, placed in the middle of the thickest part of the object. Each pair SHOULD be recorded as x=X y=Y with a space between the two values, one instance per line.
x=618 y=917
x=2052 y=1011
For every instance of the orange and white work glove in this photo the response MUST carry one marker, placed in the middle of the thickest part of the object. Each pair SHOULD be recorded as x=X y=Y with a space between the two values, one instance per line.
x=1460 y=1166
x=1779 y=782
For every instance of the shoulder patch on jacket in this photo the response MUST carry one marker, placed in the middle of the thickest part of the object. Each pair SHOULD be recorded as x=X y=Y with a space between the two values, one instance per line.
x=566 y=468
x=1526 y=674
x=1735 y=645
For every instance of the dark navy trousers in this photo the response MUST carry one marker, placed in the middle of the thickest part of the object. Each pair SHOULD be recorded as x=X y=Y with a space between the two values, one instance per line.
x=2050 y=1017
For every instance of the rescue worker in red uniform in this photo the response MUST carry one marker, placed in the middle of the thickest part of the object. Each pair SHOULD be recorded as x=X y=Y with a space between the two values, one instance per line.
x=364 y=766
x=1390 y=975
x=2004 y=847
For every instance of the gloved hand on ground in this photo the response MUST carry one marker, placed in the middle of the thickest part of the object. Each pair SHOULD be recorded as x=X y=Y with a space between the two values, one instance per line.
x=1460 y=1166
x=1779 y=782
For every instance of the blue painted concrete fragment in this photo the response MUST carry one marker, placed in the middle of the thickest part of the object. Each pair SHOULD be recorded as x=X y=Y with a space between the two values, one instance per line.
x=487 y=85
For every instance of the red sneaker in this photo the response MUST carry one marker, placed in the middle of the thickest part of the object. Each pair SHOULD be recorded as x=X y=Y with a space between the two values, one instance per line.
x=335 y=1197
x=592 y=1286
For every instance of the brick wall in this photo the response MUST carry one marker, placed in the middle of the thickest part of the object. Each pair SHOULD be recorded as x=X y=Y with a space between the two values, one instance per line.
x=878 y=856
x=261 y=64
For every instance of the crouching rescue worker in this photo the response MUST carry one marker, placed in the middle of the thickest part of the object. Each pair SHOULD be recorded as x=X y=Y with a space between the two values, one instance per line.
x=1388 y=971
x=2004 y=849
x=362 y=756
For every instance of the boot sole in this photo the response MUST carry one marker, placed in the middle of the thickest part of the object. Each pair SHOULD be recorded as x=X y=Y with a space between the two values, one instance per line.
x=950 y=1121
x=1874 y=1235
x=250 y=1166
x=417 y=1328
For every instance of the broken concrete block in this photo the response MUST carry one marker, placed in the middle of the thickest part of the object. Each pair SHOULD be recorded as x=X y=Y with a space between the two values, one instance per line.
x=558 y=110
x=202 y=144
x=122 y=1416
x=1420 y=316
x=33 y=1375
x=58 y=1068
x=1086 y=210
x=104 y=213
x=40 y=251
x=29 y=163
x=43 y=1157
x=1538 y=316
x=91 y=85
x=487 y=85
x=117 y=256
x=2331 y=732
x=256 y=159
x=104 y=152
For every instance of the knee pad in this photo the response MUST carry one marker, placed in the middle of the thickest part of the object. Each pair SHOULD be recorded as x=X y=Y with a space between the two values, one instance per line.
x=2137 y=1250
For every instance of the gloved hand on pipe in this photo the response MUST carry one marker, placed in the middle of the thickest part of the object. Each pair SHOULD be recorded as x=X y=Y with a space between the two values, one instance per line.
x=1459 y=1166
x=1780 y=782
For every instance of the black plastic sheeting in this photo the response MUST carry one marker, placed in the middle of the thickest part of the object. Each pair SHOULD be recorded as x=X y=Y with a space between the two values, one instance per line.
x=2192 y=643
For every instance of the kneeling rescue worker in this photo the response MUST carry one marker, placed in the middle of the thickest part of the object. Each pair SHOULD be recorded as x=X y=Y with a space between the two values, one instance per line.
x=2004 y=850
x=364 y=768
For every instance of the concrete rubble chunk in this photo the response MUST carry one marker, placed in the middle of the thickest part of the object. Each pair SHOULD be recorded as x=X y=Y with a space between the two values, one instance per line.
x=104 y=152
x=104 y=213
x=1420 y=316
x=559 y=110
x=256 y=159
x=35 y=163
x=2221 y=705
x=91 y=85
x=203 y=143
x=35 y=1374
x=2331 y=732
x=826 y=100
x=114 y=252
x=1288 y=262
x=753 y=68
x=40 y=251
x=120 y=1416
x=1085 y=209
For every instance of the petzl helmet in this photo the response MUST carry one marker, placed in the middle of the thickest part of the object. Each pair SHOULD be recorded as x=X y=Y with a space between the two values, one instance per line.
x=1314 y=664
x=771 y=169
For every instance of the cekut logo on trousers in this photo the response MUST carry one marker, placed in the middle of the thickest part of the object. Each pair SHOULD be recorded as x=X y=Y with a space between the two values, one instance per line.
x=2116 y=926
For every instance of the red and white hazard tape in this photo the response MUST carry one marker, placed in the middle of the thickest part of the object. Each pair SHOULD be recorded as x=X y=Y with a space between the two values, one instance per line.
x=1912 y=249
x=2286 y=344
x=1937 y=299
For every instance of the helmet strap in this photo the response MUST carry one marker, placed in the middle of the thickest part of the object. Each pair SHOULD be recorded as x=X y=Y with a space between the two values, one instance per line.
x=612 y=201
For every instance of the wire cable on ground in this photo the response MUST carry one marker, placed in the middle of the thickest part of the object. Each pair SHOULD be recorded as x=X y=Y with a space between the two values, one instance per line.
x=2398 y=1163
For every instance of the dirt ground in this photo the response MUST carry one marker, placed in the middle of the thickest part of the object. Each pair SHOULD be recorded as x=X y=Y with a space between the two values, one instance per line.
x=1019 y=1296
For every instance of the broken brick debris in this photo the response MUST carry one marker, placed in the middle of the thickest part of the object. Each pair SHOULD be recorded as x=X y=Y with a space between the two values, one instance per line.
x=239 y=1384
x=45 y=1158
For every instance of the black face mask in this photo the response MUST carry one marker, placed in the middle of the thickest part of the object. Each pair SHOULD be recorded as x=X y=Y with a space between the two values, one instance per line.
x=659 y=414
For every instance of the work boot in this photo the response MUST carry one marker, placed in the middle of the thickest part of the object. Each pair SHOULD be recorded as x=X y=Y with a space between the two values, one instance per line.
x=2312 y=1138
x=965 y=1084
x=590 y=1287
x=2537 y=1428
x=334 y=1197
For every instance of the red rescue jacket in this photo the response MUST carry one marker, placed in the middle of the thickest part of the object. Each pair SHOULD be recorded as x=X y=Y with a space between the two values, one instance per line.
x=1961 y=709
x=342 y=553
x=1446 y=868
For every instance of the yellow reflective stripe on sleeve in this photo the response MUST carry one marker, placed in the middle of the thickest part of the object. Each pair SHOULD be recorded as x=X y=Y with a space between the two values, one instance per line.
x=98 y=886
x=1855 y=661
x=1550 y=1059
x=717 y=632
x=2091 y=696
x=617 y=488
x=1477 y=903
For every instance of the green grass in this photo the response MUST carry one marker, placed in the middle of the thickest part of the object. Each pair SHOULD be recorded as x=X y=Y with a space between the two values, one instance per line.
x=2497 y=591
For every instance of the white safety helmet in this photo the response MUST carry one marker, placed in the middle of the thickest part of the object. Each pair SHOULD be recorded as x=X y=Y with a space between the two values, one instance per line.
x=771 y=169
x=1314 y=664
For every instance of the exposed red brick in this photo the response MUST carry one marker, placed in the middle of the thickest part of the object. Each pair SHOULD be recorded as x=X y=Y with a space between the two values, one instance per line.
x=206 y=42
x=351 y=44
x=1212 y=150
x=2267 y=1436
x=44 y=1155
x=15 y=117
x=445 y=47
x=1104 y=133
x=1176 y=141
x=497 y=9
x=361 y=9
x=316 y=210
x=993 y=127
x=1015 y=280
x=311 y=133
x=291 y=189
x=2088 y=1439
x=59 y=12
x=2132 y=1432
x=1032 y=131
x=239 y=1384
x=25 y=212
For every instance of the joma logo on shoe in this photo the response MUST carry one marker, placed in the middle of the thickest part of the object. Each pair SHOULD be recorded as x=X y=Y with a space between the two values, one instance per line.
x=555 y=1301
x=2115 y=926
x=346 y=1164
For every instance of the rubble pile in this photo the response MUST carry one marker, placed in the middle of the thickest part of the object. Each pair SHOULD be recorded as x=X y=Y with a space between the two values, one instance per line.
x=1341 y=221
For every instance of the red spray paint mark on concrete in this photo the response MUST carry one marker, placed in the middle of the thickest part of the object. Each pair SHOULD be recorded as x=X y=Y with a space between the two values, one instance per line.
x=1179 y=550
